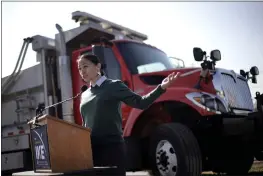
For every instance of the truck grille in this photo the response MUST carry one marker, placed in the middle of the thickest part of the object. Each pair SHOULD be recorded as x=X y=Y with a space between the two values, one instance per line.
x=237 y=92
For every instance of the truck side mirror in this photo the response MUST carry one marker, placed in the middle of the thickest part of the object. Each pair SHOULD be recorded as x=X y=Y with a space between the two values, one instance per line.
x=198 y=54
x=254 y=80
x=243 y=73
x=178 y=63
x=215 y=55
x=254 y=71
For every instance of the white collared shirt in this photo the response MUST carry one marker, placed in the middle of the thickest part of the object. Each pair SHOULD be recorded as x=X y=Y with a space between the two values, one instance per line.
x=99 y=81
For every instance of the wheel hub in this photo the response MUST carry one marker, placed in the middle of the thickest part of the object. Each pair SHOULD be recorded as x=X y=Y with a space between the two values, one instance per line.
x=166 y=160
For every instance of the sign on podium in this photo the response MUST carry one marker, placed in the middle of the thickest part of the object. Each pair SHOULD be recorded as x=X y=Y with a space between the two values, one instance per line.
x=59 y=146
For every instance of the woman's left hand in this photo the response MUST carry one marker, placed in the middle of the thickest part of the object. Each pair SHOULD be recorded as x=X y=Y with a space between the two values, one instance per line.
x=169 y=80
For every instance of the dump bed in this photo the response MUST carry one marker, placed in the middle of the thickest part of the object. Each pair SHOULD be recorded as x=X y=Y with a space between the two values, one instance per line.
x=20 y=101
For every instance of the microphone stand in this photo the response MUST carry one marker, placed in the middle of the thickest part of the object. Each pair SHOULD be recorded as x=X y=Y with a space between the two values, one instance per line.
x=41 y=107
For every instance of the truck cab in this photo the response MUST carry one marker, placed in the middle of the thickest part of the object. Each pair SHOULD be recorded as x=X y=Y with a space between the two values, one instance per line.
x=207 y=100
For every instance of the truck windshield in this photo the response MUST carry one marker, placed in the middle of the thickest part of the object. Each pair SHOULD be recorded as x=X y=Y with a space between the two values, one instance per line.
x=141 y=58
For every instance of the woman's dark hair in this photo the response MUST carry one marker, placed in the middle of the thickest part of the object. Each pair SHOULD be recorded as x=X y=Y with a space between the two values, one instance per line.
x=94 y=59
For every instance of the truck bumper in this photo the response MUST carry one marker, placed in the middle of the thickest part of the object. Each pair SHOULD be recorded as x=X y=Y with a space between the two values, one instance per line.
x=235 y=125
x=238 y=124
x=250 y=126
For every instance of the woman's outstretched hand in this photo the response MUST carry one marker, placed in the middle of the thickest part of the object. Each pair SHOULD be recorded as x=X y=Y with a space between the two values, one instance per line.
x=169 y=80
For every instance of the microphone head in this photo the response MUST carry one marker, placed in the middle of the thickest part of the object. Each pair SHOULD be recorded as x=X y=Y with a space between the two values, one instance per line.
x=84 y=88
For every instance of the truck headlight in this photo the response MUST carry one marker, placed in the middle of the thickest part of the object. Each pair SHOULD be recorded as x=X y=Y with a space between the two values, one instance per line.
x=220 y=93
x=207 y=101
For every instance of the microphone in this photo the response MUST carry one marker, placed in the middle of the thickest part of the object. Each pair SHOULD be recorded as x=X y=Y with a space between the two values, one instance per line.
x=83 y=88
x=41 y=108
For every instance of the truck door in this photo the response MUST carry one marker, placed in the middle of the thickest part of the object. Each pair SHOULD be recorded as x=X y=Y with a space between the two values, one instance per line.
x=112 y=69
x=110 y=64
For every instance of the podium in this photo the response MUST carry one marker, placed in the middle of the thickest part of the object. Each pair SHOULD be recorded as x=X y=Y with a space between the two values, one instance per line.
x=59 y=146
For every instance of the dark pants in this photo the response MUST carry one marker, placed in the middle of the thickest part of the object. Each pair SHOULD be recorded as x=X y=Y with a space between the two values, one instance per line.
x=112 y=154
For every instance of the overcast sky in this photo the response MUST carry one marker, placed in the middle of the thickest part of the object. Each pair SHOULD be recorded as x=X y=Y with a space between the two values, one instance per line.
x=235 y=28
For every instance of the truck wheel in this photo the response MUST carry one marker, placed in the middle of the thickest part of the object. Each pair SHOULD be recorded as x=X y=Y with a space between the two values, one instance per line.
x=174 y=151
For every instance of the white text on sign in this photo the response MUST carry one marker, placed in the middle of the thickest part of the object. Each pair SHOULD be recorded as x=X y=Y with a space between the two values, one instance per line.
x=40 y=152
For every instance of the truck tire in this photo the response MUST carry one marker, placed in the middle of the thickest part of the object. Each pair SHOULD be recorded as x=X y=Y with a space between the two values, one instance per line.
x=174 y=151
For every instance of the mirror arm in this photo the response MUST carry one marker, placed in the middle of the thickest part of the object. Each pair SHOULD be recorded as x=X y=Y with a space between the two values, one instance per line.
x=178 y=60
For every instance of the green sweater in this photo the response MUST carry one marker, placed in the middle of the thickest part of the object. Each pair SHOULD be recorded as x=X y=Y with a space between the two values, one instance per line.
x=100 y=108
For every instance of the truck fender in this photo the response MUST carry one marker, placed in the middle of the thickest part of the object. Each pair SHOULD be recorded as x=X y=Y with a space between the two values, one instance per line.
x=172 y=94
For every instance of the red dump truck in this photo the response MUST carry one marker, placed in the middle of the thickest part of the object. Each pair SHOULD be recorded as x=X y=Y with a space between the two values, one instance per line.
x=204 y=121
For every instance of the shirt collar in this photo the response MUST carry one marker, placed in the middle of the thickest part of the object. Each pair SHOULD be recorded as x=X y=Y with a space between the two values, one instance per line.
x=99 y=81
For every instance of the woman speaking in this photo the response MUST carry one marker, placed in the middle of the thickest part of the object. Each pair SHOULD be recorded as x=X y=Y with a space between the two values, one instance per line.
x=100 y=109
